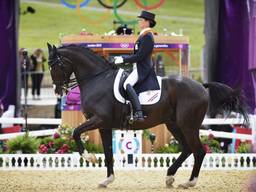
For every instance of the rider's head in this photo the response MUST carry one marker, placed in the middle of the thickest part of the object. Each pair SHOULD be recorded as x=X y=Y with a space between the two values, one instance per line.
x=146 y=19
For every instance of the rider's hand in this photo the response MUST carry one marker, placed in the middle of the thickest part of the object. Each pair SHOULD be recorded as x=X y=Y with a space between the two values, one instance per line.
x=118 y=60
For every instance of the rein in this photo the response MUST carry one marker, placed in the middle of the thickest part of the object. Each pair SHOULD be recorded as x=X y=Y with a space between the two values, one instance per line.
x=89 y=78
x=66 y=84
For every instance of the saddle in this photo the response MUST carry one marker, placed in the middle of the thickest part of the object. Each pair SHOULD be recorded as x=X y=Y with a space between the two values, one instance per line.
x=149 y=97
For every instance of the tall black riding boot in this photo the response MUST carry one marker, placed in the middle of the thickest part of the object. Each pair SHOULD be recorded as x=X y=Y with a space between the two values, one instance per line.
x=138 y=115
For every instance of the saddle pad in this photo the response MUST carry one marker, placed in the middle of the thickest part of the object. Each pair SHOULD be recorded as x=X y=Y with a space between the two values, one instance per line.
x=146 y=98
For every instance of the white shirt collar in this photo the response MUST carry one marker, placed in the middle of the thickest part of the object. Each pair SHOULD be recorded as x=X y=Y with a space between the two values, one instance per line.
x=143 y=30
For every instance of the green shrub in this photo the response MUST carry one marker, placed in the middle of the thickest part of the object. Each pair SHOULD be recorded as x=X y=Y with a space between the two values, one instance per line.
x=65 y=131
x=244 y=148
x=173 y=147
x=210 y=144
x=92 y=148
x=23 y=143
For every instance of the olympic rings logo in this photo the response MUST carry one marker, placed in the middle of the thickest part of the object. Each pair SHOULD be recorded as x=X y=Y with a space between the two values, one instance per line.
x=85 y=3
x=114 y=4
x=146 y=7
x=124 y=45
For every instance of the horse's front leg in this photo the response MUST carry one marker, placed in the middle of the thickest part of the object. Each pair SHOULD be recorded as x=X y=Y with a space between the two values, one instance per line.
x=106 y=137
x=90 y=124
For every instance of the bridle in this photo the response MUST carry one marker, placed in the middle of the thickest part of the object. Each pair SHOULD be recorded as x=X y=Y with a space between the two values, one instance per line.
x=66 y=83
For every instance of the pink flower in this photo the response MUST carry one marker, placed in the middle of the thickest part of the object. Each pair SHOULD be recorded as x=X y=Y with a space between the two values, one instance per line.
x=207 y=148
x=56 y=135
x=60 y=151
x=64 y=148
x=43 y=149
x=50 y=144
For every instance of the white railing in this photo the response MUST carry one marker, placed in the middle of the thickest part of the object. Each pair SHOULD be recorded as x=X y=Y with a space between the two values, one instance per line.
x=31 y=133
x=207 y=121
x=143 y=161
x=52 y=121
x=35 y=121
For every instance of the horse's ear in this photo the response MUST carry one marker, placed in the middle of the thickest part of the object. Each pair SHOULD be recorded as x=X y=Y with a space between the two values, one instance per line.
x=54 y=49
x=49 y=48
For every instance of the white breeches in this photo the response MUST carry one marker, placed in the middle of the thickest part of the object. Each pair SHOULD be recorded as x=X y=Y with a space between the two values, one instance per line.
x=132 y=78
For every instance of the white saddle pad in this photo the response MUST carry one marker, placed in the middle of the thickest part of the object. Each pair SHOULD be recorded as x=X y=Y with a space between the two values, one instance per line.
x=146 y=98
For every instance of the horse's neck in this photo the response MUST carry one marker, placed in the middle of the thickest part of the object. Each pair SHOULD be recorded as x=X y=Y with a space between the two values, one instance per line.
x=84 y=67
x=97 y=88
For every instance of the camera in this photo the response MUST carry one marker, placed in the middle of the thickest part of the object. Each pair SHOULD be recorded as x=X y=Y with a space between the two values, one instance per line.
x=25 y=52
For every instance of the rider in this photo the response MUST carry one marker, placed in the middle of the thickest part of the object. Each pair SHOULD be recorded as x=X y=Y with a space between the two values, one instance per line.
x=143 y=66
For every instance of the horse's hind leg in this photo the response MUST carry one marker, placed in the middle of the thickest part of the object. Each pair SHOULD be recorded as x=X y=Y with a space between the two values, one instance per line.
x=193 y=140
x=189 y=119
x=178 y=135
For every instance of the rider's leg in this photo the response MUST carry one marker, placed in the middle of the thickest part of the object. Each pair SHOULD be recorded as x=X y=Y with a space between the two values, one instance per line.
x=133 y=97
x=132 y=78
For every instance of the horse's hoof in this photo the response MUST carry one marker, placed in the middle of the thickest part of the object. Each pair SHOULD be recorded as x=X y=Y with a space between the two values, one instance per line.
x=188 y=184
x=169 y=181
x=107 y=181
x=94 y=159
x=91 y=158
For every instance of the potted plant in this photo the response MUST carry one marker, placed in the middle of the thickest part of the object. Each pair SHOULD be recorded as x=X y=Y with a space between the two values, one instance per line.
x=23 y=144
x=210 y=144
x=63 y=142
x=172 y=147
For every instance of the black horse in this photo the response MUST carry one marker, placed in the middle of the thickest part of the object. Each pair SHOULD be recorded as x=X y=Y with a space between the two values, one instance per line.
x=182 y=106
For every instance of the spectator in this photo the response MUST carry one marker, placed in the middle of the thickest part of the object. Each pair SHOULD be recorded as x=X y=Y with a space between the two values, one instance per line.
x=25 y=67
x=38 y=60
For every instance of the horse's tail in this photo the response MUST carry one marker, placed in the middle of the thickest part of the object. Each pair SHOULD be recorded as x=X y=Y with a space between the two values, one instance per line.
x=224 y=100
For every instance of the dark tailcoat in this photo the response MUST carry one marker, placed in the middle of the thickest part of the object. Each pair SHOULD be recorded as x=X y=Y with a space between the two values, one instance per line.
x=143 y=49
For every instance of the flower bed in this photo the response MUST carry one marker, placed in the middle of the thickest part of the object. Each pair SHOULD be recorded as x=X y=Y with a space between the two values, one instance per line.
x=61 y=142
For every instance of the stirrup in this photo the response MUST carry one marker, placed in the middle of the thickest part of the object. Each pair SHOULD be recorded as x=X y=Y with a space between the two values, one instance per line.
x=138 y=116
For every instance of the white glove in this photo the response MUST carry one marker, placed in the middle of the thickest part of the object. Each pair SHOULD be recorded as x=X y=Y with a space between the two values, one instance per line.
x=118 y=60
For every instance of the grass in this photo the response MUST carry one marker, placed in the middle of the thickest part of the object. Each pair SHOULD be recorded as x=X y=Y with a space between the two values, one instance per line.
x=52 y=19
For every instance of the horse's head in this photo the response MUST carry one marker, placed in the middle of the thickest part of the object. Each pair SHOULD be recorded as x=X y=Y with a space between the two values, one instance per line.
x=59 y=69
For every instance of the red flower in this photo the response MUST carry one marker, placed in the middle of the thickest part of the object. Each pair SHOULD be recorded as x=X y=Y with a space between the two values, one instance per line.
x=56 y=135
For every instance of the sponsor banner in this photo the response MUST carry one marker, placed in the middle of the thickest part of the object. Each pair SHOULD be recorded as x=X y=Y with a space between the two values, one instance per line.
x=131 y=45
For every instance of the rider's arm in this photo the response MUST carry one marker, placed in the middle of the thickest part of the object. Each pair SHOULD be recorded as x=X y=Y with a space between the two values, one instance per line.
x=144 y=50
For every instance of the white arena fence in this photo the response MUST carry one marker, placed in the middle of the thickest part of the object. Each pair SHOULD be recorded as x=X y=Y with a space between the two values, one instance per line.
x=142 y=162
x=207 y=121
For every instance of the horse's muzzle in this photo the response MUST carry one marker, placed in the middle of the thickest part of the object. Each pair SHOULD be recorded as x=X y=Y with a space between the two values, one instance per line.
x=58 y=90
